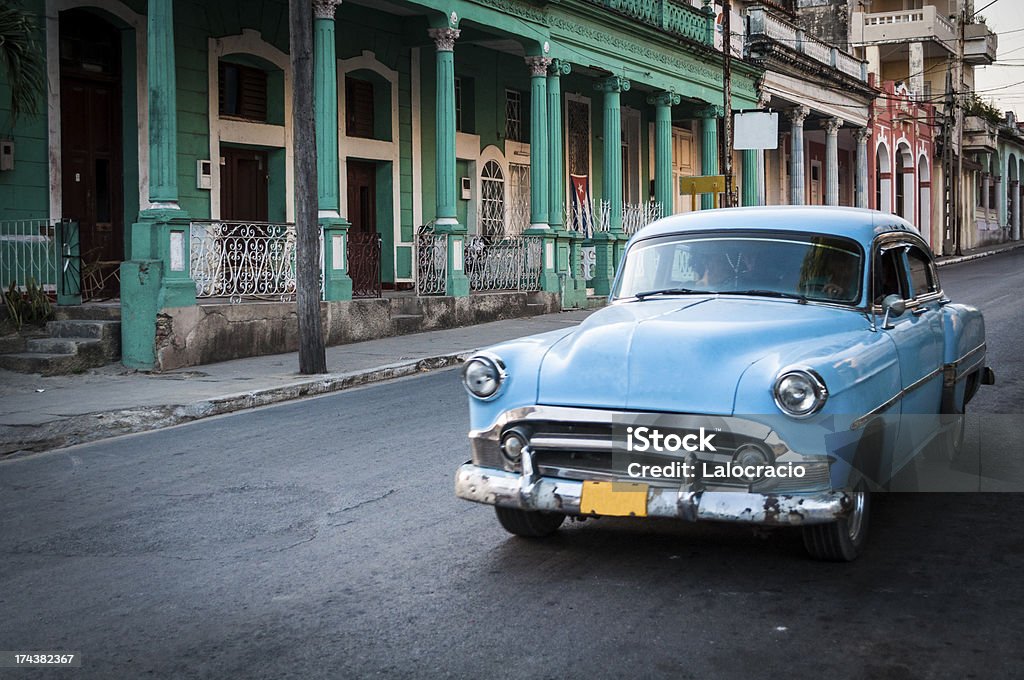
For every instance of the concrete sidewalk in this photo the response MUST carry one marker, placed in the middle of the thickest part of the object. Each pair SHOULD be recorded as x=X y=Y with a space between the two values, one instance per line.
x=40 y=413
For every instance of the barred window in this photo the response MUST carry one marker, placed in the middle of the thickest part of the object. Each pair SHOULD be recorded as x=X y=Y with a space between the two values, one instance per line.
x=492 y=201
x=514 y=116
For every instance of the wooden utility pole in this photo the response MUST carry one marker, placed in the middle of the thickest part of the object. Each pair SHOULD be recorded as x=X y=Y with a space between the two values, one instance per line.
x=961 y=102
x=726 y=146
x=312 y=356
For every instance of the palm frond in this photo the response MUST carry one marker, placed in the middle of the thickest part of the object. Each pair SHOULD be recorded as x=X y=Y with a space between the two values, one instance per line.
x=22 y=59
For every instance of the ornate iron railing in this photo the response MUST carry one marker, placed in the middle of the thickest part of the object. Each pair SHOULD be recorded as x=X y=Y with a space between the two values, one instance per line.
x=364 y=252
x=509 y=263
x=29 y=250
x=635 y=216
x=245 y=260
x=431 y=256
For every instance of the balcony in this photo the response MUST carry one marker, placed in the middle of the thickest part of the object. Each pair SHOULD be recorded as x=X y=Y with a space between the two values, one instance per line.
x=766 y=25
x=676 y=17
x=979 y=135
x=980 y=44
x=910 y=25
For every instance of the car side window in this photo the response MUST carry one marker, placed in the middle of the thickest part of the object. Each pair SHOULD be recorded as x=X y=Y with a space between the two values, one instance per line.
x=922 y=272
x=889 y=275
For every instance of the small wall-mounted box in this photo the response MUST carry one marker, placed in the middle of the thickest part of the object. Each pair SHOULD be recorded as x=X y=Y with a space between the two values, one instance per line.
x=204 y=174
x=6 y=154
x=467 y=189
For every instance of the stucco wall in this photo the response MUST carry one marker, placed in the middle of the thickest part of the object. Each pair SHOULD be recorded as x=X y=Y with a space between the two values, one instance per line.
x=190 y=336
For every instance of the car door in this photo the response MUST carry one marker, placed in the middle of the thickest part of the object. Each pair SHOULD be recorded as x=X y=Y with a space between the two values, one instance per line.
x=923 y=400
x=917 y=336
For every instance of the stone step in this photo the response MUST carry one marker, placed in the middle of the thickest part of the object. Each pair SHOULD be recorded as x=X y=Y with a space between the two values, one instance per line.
x=82 y=328
x=44 y=364
x=407 y=323
x=92 y=311
x=56 y=345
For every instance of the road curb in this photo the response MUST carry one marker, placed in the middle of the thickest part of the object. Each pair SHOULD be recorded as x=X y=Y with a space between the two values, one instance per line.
x=18 y=440
x=957 y=259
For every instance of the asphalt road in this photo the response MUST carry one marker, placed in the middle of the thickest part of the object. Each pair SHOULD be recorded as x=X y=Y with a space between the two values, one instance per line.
x=321 y=539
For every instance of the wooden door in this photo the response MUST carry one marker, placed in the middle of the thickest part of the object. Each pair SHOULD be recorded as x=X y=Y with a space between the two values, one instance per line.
x=243 y=185
x=91 y=162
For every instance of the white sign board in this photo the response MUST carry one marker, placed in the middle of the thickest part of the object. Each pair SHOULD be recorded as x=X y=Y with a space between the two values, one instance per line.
x=756 y=130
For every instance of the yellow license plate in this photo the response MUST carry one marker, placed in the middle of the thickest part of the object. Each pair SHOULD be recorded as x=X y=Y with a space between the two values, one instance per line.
x=615 y=499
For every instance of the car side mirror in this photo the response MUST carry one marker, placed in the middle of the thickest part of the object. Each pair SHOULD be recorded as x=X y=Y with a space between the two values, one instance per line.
x=894 y=306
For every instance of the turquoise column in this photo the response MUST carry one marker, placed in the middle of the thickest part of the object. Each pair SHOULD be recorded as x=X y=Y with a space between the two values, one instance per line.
x=750 y=192
x=446 y=221
x=337 y=284
x=606 y=242
x=163 y=118
x=156 y=273
x=709 y=116
x=664 y=192
x=540 y=191
x=568 y=280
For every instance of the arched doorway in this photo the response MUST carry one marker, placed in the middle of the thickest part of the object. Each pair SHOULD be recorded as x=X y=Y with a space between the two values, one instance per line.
x=924 y=198
x=883 y=180
x=91 y=145
x=904 y=183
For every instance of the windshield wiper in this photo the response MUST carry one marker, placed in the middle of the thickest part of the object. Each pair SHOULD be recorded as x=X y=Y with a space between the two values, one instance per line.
x=667 y=291
x=766 y=293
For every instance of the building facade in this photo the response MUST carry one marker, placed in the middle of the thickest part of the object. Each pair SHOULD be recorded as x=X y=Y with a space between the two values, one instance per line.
x=445 y=132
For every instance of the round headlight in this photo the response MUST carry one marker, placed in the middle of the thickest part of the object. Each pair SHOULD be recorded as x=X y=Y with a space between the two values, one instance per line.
x=482 y=376
x=800 y=393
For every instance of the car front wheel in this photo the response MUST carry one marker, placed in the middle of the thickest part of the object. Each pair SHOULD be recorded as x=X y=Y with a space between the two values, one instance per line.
x=529 y=523
x=842 y=540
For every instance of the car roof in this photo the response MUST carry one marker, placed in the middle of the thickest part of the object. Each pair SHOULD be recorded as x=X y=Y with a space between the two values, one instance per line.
x=859 y=224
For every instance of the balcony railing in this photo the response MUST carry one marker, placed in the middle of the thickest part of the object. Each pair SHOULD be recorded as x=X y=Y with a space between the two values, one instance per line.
x=676 y=17
x=910 y=25
x=763 y=23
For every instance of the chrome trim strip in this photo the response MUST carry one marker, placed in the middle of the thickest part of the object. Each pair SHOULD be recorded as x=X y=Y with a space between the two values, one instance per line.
x=859 y=422
x=571 y=444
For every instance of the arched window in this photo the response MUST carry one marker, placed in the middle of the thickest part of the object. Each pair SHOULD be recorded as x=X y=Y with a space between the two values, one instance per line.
x=492 y=201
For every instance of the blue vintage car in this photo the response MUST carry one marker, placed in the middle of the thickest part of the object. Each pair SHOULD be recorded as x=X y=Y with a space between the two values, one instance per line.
x=761 y=365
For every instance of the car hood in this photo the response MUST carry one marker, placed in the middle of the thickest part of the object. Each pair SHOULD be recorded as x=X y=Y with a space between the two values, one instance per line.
x=683 y=355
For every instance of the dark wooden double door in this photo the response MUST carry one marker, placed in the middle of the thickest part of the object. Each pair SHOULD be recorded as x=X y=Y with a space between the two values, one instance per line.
x=92 y=177
x=364 y=249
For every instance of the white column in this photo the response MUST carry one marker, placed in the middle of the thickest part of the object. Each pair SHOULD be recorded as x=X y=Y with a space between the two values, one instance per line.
x=916 y=84
x=797 y=193
x=862 y=135
x=872 y=54
x=1015 y=214
x=832 y=126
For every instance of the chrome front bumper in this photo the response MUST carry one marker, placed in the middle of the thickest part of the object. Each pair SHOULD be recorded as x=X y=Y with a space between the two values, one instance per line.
x=513 y=490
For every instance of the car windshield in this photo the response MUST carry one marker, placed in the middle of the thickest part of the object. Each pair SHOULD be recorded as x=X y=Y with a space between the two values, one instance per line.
x=802 y=266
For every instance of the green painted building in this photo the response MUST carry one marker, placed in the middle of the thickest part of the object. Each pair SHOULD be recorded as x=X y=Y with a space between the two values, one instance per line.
x=442 y=128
